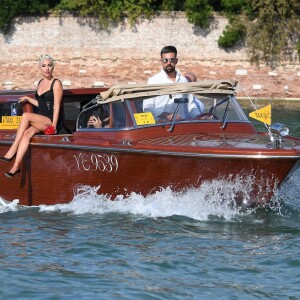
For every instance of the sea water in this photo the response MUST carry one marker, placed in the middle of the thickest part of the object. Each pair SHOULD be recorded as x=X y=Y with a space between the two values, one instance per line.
x=193 y=245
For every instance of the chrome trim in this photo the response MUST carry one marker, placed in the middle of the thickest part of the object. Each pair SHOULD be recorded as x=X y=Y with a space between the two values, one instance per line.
x=6 y=142
x=65 y=139
x=191 y=154
x=167 y=123
x=279 y=129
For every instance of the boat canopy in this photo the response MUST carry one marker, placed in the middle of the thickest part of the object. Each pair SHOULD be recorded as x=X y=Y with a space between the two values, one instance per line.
x=127 y=106
x=119 y=92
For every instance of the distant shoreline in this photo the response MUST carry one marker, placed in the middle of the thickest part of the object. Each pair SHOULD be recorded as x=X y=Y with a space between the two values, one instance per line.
x=268 y=98
x=290 y=103
x=87 y=55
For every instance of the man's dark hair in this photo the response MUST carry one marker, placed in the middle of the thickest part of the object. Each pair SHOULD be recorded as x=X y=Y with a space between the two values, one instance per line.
x=168 y=49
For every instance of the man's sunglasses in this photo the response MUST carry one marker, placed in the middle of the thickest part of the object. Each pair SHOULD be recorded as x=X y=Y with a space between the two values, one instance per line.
x=171 y=60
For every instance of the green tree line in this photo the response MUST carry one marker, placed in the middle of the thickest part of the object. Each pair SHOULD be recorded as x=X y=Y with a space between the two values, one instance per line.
x=270 y=29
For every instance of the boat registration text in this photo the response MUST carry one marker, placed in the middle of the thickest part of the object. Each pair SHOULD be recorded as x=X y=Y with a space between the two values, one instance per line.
x=96 y=162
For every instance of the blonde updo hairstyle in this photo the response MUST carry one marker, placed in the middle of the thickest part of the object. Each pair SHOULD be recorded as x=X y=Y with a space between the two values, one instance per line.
x=46 y=56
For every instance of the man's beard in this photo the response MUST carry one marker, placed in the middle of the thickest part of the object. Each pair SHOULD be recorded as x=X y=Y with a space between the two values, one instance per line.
x=169 y=69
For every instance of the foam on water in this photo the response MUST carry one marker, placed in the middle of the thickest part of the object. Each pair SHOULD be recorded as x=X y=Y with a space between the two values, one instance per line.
x=161 y=204
x=213 y=199
x=8 y=206
x=216 y=198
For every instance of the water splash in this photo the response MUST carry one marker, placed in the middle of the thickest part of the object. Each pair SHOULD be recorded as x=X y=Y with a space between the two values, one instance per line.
x=6 y=206
x=214 y=199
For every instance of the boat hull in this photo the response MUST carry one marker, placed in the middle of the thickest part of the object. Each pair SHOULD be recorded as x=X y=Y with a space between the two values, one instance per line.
x=54 y=172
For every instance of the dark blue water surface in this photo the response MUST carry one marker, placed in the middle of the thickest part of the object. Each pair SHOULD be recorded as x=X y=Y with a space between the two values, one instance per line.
x=164 y=246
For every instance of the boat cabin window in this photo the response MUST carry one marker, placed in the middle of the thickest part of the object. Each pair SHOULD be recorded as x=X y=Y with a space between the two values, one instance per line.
x=72 y=106
x=189 y=107
x=137 y=112
x=10 y=115
x=221 y=105
x=115 y=115
x=97 y=116
x=11 y=109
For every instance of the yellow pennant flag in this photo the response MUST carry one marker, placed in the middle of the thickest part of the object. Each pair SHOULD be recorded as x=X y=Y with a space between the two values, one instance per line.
x=263 y=115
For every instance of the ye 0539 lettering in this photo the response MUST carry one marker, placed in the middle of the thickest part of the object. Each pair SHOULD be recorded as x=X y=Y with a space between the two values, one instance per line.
x=96 y=162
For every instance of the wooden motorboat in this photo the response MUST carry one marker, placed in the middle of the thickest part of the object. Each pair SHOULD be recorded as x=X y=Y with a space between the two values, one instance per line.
x=140 y=152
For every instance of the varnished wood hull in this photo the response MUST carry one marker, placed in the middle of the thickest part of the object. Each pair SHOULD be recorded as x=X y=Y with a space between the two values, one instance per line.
x=55 y=167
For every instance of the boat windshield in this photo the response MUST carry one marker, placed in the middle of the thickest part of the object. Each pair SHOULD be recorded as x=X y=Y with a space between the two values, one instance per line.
x=166 y=109
x=11 y=109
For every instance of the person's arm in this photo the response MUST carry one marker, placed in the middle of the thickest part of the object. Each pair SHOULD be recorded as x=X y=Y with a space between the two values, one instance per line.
x=149 y=106
x=158 y=111
x=200 y=105
x=195 y=107
x=25 y=99
x=58 y=93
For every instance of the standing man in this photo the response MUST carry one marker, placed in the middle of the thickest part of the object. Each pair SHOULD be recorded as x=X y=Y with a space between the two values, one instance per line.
x=163 y=107
x=168 y=73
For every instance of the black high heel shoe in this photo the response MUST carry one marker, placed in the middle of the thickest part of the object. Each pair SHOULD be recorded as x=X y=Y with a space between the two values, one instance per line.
x=7 y=159
x=11 y=175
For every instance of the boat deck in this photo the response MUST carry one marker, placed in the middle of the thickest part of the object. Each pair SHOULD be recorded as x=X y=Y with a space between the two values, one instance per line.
x=218 y=140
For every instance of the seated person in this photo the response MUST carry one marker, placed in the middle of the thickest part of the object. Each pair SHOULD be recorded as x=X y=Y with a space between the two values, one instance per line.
x=191 y=77
x=199 y=105
x=163 y=107
x=99 y=119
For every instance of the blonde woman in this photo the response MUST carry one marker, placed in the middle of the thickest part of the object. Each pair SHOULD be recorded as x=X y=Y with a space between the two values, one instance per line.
x=48 y=100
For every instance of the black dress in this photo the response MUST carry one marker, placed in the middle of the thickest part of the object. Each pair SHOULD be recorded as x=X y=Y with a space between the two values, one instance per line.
x=46 y=103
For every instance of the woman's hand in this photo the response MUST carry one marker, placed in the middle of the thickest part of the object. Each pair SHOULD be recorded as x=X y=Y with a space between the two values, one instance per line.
x=26 y=99
x=95 y=122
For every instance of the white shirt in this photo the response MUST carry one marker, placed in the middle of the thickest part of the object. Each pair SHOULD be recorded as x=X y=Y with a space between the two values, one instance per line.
x=161 y=104
x=162 y=77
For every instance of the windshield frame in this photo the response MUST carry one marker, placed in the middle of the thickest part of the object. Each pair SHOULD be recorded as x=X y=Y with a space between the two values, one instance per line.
x=130 y=109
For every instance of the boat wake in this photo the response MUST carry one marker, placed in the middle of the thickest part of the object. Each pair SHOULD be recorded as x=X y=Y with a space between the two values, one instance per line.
x=290 y=191
x=194 y=203
x=215 y=199
x=161 y=204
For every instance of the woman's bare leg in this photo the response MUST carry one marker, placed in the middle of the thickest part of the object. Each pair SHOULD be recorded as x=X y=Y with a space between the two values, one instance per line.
x=23 y=147
x=28 y=119
x=22 y=127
